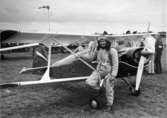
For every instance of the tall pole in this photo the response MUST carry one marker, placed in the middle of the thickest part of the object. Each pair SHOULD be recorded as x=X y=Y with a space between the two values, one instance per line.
x=48 y=8
x=48 y=20
x=148 y=27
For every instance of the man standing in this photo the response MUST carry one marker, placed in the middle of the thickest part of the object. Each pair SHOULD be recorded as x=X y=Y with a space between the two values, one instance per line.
x=149 y=49
x=107 y=68
x=158 y=54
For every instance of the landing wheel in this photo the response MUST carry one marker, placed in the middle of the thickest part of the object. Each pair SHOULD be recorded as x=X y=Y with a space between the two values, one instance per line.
x=97 y=103
x=94 y=104
x=134 y=92
x=97 y=100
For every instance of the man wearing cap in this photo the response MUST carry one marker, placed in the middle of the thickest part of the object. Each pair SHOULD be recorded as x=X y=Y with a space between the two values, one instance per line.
x=158 y=54
x=107 y=68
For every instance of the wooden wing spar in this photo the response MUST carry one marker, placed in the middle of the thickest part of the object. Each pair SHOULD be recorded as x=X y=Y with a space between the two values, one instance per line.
x=18 y=47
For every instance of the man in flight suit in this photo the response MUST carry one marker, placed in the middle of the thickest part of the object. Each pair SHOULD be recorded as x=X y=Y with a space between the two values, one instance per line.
x=107 y=68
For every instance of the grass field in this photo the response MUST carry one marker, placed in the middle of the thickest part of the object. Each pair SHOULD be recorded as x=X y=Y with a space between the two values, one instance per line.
x=70 y=100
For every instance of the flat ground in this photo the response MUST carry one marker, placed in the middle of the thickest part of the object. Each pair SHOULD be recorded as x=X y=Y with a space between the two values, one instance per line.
x=70 y=100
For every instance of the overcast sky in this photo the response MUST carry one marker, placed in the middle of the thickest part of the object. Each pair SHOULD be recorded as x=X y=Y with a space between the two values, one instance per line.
x=83 y=16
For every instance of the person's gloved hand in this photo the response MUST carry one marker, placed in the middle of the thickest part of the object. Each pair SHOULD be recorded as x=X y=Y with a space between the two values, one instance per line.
x=109 y=76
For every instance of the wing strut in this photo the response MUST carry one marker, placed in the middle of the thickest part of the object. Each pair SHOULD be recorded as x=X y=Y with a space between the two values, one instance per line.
x=46 y=75
x=18 y=47
x=83 y=61
x=45 y=78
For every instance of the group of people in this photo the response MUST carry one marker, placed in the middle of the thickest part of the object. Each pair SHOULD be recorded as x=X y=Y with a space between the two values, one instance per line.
x=108 y=61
